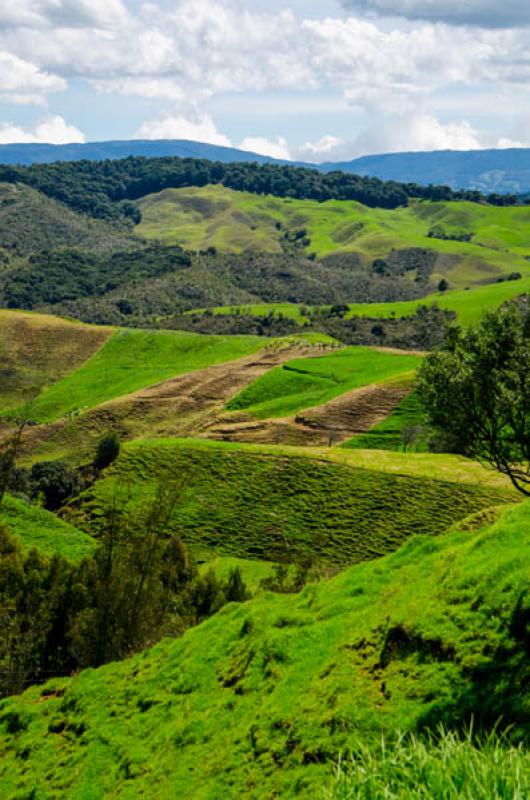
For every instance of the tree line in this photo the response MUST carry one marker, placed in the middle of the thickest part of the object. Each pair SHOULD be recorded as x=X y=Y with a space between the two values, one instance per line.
x=107 y=189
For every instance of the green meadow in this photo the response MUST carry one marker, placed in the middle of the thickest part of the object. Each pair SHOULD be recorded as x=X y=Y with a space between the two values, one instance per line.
x=303 y=383
x=36 y=527
x=265 y=697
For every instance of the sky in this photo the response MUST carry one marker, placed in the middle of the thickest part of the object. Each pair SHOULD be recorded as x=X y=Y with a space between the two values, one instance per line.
x=312 y=80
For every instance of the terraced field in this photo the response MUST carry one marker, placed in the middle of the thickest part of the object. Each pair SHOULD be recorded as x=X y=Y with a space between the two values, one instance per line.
x=133 y=359
x=231 y=221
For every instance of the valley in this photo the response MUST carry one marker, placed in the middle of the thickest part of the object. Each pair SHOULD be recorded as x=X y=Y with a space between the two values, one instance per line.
x=243 y=533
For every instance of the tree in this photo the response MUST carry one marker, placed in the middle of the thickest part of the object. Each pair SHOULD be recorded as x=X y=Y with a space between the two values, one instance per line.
x=476 y=391
x=55 y=482
x=443 y=285
x=108 y=450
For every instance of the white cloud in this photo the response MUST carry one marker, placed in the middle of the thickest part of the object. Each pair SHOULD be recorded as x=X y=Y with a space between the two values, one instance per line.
x=23 y=82
x=65 y=13
x=202 y=129
x=265 y=147
x=51 y=130
x=484 y=13
x=327 y=148
x=415 y=133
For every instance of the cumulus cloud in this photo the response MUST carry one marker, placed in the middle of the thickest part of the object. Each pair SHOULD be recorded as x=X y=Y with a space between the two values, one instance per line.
x=415 y=133
x=483 y=13
x=23 y=82
x=202 y=129
x=51 y=130
x=265 y=147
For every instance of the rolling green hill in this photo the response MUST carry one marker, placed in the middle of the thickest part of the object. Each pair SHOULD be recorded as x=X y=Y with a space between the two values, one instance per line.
x=303 y=383
x=36 y=527
x=133 y=359
x=261 y=699
x=214 y=216
x=274 y=502
x=36 y=350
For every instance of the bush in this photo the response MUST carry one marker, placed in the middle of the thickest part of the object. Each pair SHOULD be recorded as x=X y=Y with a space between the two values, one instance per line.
x=108 y=450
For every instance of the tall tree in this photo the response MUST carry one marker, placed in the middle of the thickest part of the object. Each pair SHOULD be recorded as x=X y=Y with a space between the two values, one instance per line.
x=476 y=391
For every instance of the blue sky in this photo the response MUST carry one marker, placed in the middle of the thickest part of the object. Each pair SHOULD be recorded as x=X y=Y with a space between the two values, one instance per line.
x=307 y=79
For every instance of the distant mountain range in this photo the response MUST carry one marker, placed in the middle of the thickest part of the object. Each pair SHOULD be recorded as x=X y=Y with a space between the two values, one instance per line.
x=504 y=171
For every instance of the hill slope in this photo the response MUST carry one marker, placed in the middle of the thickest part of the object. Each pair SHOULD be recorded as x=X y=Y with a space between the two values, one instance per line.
x=280 y=502
x=257 y=701
x=232 y=221
x=500 y=170
x=36 y=527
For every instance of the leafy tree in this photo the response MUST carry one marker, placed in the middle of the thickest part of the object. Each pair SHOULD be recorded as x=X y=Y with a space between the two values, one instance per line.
x=476 y=391
x=107 y=451
x=443 y=285
x=55 y=482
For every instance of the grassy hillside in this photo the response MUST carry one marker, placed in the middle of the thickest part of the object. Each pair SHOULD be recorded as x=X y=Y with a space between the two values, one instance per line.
x=231 y=221
x=272 y=502
x=133 y=359
x=469 y=306
x=307 y=382
x=36 y=527
x=262 y=698
x=30 y=222
x=36 y=350
x=389 y=433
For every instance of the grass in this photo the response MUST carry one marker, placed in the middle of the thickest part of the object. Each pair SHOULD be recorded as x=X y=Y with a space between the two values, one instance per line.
x=271 y=503
x=231 y=221
x=263 y=698
x=389 y=433
x=133 y=359
x=307 y=382
x=469 y=306
x=36 y=350
x=447 y=765
x=36 y=527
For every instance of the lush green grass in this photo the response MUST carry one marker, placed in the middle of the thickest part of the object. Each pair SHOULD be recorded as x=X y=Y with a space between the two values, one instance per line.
x=307 y=382
x=133 y=359
x=273 y=503
x=36 y=527
x=262 y=699
x=389 y=433
x=445 y=766
x=469 y=306
x=233 y=221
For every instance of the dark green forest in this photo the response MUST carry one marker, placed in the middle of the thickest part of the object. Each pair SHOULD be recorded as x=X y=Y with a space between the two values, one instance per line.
x=106 y=189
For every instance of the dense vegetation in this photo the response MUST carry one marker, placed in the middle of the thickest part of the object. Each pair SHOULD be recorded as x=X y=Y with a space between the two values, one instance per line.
x=264 y=697
x=57 y=276
x=104 y=189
